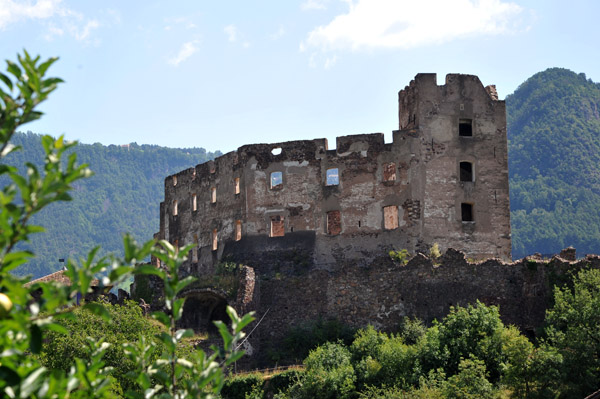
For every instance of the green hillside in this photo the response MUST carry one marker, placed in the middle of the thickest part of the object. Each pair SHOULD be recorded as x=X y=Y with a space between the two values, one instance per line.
x=554 y=163
x=122 y=196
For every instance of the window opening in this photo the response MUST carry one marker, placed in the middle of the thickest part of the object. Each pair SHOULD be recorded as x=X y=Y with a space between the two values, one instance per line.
x=333 y=177
x=213 y=195
x=390 y=217
x=467 y=212
x=465 y=127
x=466 y=171
x=237 y=185
x=276 y=151
x=174 y=180
x=176 y=245
x=277 y=226
x=175 y=208
x=195 y=249
x=334 y=223
x=238 y=230
x=214 y=239
x=389 y=171
x=276 y=180
x=194 y=202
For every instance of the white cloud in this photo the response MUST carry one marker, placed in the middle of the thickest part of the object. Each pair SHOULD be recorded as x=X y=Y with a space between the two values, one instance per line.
x=84 y=33
x=313 y=5
x=57 y=18
x=231 y=32
x=186 y=51
x=406 y=24
x=13 y=11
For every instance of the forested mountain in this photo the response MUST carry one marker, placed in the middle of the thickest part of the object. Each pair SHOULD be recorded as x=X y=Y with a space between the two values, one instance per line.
x=122 y=196
x=554 y=163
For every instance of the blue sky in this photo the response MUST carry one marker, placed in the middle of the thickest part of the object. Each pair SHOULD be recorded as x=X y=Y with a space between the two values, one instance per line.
x=222 y=74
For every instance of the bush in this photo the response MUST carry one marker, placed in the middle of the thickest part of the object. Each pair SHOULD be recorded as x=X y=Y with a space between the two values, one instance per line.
x=329 y=374
x=470 y=382
x=126 y=324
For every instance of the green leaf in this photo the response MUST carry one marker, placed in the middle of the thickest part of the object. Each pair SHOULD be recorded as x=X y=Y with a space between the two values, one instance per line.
x=6 y=81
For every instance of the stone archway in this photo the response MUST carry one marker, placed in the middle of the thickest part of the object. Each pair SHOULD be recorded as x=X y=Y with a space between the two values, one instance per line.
x=201 y=309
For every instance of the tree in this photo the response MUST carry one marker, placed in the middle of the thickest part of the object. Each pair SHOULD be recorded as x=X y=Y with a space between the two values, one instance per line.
x=25 y=321
x=573 y=331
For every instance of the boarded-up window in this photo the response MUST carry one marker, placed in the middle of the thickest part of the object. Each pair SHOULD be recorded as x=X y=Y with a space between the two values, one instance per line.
x=238 y=230
x=213 y=195
x=334 y=223
x=333 y=177
x=236 y=183
x=466 y=171
x=215 y=240
x=276 y=180
x=389 y=171
x=277 y=226
x=194 y=202
x=466 y=211
x=465 y=127
x=175 y=208
x=390 y=217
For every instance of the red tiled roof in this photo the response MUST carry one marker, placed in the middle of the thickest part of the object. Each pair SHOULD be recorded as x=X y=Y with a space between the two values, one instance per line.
x=59 y=277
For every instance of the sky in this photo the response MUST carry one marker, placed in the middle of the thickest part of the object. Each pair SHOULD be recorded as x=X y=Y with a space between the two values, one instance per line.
x=222 y=74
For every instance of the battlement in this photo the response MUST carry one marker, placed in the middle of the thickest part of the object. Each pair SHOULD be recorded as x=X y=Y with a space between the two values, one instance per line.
x=443 y=179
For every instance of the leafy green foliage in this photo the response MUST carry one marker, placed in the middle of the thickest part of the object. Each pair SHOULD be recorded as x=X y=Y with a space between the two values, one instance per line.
x=126 y=324
x=400 y=256
x=554 y=153
x=573 y=331
x=28 y=321
x=329 y=373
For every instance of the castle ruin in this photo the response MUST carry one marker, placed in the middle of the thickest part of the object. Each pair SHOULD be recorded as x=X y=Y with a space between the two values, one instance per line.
x=314 y=226
x=443 y=179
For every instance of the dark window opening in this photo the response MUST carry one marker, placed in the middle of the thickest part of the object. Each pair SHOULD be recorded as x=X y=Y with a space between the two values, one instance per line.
x=465 y=128
x=334 y=223
x=466 y=212
x=466 y=171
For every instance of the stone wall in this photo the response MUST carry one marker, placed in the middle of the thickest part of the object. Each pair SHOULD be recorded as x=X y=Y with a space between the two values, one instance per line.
x=383 y=293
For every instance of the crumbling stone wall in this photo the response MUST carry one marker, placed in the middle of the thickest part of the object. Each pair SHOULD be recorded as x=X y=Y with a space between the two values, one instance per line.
x=357 y=202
